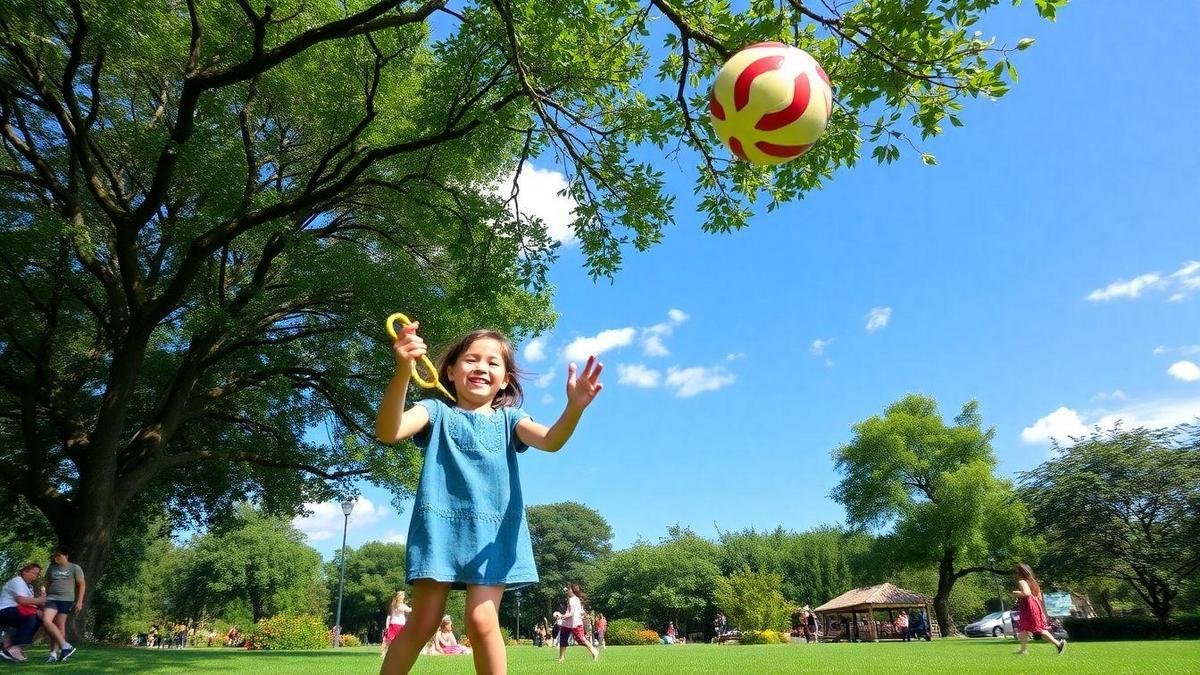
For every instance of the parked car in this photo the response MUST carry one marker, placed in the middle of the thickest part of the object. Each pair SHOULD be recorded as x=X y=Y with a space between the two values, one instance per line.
x=996 y=624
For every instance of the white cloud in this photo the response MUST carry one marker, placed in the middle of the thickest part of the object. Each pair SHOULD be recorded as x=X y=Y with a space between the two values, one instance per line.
x=637 y=375
x=1065 y=422
x=542 y=193
x=325 y=519
x=545 y=379
x=583 y=347
x=1179 y=285
x=1190 y=350
x=697 y=379
x=394 y=537
x=547 y=399
x=817 y=348
x=734 y=356
x=1160 y=350
x=1124 y=289
x=1059 y=425
x=1186 y=371
x=1114 y=395
x=653 y=346
x=535 y=349
x=652 y=336
x=1188 y=271
x=878 y=318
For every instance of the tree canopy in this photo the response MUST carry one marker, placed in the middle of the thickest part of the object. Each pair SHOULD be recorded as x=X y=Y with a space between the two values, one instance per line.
x=207 y=208
x=1123 y=505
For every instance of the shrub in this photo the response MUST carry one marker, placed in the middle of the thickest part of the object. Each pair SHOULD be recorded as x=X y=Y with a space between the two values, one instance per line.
x=762 y=637
x=1131 y=628
x=649 y=637
x=289 y=631
x=752 y=600
x=349 y=641
x=629 y=632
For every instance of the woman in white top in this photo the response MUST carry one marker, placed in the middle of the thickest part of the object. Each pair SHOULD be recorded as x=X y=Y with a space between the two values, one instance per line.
x=19 y=612
x=572 y=624
x=396 y=618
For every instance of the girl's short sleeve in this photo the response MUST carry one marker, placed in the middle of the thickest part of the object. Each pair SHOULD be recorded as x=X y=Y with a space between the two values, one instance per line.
x=434 y=407
x=515 y=415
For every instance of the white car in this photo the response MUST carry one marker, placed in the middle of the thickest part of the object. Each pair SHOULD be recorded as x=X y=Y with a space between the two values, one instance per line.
x=996 y=624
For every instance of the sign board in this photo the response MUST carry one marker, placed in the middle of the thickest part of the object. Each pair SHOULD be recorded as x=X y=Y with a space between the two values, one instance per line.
x=1058 y=604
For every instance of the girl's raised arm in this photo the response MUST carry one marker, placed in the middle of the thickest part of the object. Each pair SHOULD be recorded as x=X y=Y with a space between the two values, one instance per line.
x=394 y=423
x=581 y=391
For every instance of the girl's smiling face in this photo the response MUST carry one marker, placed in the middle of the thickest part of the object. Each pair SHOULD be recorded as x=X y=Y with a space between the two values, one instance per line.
x=479 y=373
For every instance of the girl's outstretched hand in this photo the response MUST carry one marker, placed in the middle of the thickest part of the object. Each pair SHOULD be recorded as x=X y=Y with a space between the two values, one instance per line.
x=408 y=346
x=583 y=388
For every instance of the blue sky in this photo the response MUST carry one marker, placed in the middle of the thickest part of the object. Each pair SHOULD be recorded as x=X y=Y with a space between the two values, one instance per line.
x=1044 y=267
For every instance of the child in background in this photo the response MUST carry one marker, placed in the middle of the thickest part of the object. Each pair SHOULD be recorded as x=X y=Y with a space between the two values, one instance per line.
x=573 y=624
x=1032 y=608
x=468 y=527
x=393 y=624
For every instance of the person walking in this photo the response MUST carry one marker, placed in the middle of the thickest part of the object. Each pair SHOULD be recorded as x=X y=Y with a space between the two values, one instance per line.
x=64 y=596
x=395 y=621
x=601 y=628
x=1032 y=608
x=572 y=624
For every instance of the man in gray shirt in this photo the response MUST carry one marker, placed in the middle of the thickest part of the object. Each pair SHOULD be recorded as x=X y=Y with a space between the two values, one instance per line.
x=64 y=595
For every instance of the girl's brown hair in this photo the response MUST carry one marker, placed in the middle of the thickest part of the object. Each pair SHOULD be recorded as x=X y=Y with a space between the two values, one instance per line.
x=577 y=592
x=511 y=396
x=1026 y=572
x=398 y=598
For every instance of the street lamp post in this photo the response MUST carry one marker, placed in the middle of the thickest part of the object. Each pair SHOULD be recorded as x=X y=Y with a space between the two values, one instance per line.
x=347 y=507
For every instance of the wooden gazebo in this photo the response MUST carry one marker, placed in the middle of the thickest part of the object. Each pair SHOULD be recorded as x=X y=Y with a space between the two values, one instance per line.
x=852 y=615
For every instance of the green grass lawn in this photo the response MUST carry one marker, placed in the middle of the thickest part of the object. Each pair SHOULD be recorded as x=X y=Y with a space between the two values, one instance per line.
x=946 y=656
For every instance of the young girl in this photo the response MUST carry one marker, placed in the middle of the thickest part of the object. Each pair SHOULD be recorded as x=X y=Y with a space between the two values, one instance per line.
x=468 y=526
x=395 y=620
x=1032 y=609
x=573 y=624
x=445 y=642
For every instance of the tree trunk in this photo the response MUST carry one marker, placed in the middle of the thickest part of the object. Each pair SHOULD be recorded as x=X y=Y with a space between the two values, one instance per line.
x=89 y=541
x=941 y=601
x=1106 y=603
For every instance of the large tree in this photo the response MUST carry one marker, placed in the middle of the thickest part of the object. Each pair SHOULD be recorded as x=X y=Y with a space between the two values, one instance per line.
x=1123 y=505
x=933 y=485
x=207 y=206
x=568 y=538
x=262 y=562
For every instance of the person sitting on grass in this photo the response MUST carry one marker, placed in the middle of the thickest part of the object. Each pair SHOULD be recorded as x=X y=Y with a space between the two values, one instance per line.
x=444 y=641
x=19 y=612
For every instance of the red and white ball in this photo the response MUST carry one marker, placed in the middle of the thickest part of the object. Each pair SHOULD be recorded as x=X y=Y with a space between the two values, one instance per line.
x=770 y=103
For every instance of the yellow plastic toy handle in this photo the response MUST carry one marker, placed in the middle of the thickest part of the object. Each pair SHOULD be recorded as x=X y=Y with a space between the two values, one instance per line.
x=432 y=382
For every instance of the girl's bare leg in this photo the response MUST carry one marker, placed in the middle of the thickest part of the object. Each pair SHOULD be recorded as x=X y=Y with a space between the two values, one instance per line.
x=483 y=627
x=428 y=607
x=1024 y=638
x=1050 y=638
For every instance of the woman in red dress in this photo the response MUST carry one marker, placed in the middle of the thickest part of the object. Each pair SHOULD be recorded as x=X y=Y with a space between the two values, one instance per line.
x=1032 y=611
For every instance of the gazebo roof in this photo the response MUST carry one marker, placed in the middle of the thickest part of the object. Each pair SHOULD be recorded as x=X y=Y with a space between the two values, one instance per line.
x=883 y=596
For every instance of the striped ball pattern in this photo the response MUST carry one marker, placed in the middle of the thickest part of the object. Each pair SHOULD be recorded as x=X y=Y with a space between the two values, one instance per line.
x=770 y=103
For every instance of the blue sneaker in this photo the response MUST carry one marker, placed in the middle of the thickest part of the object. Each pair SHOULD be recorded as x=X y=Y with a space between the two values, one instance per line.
x=66 y=653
